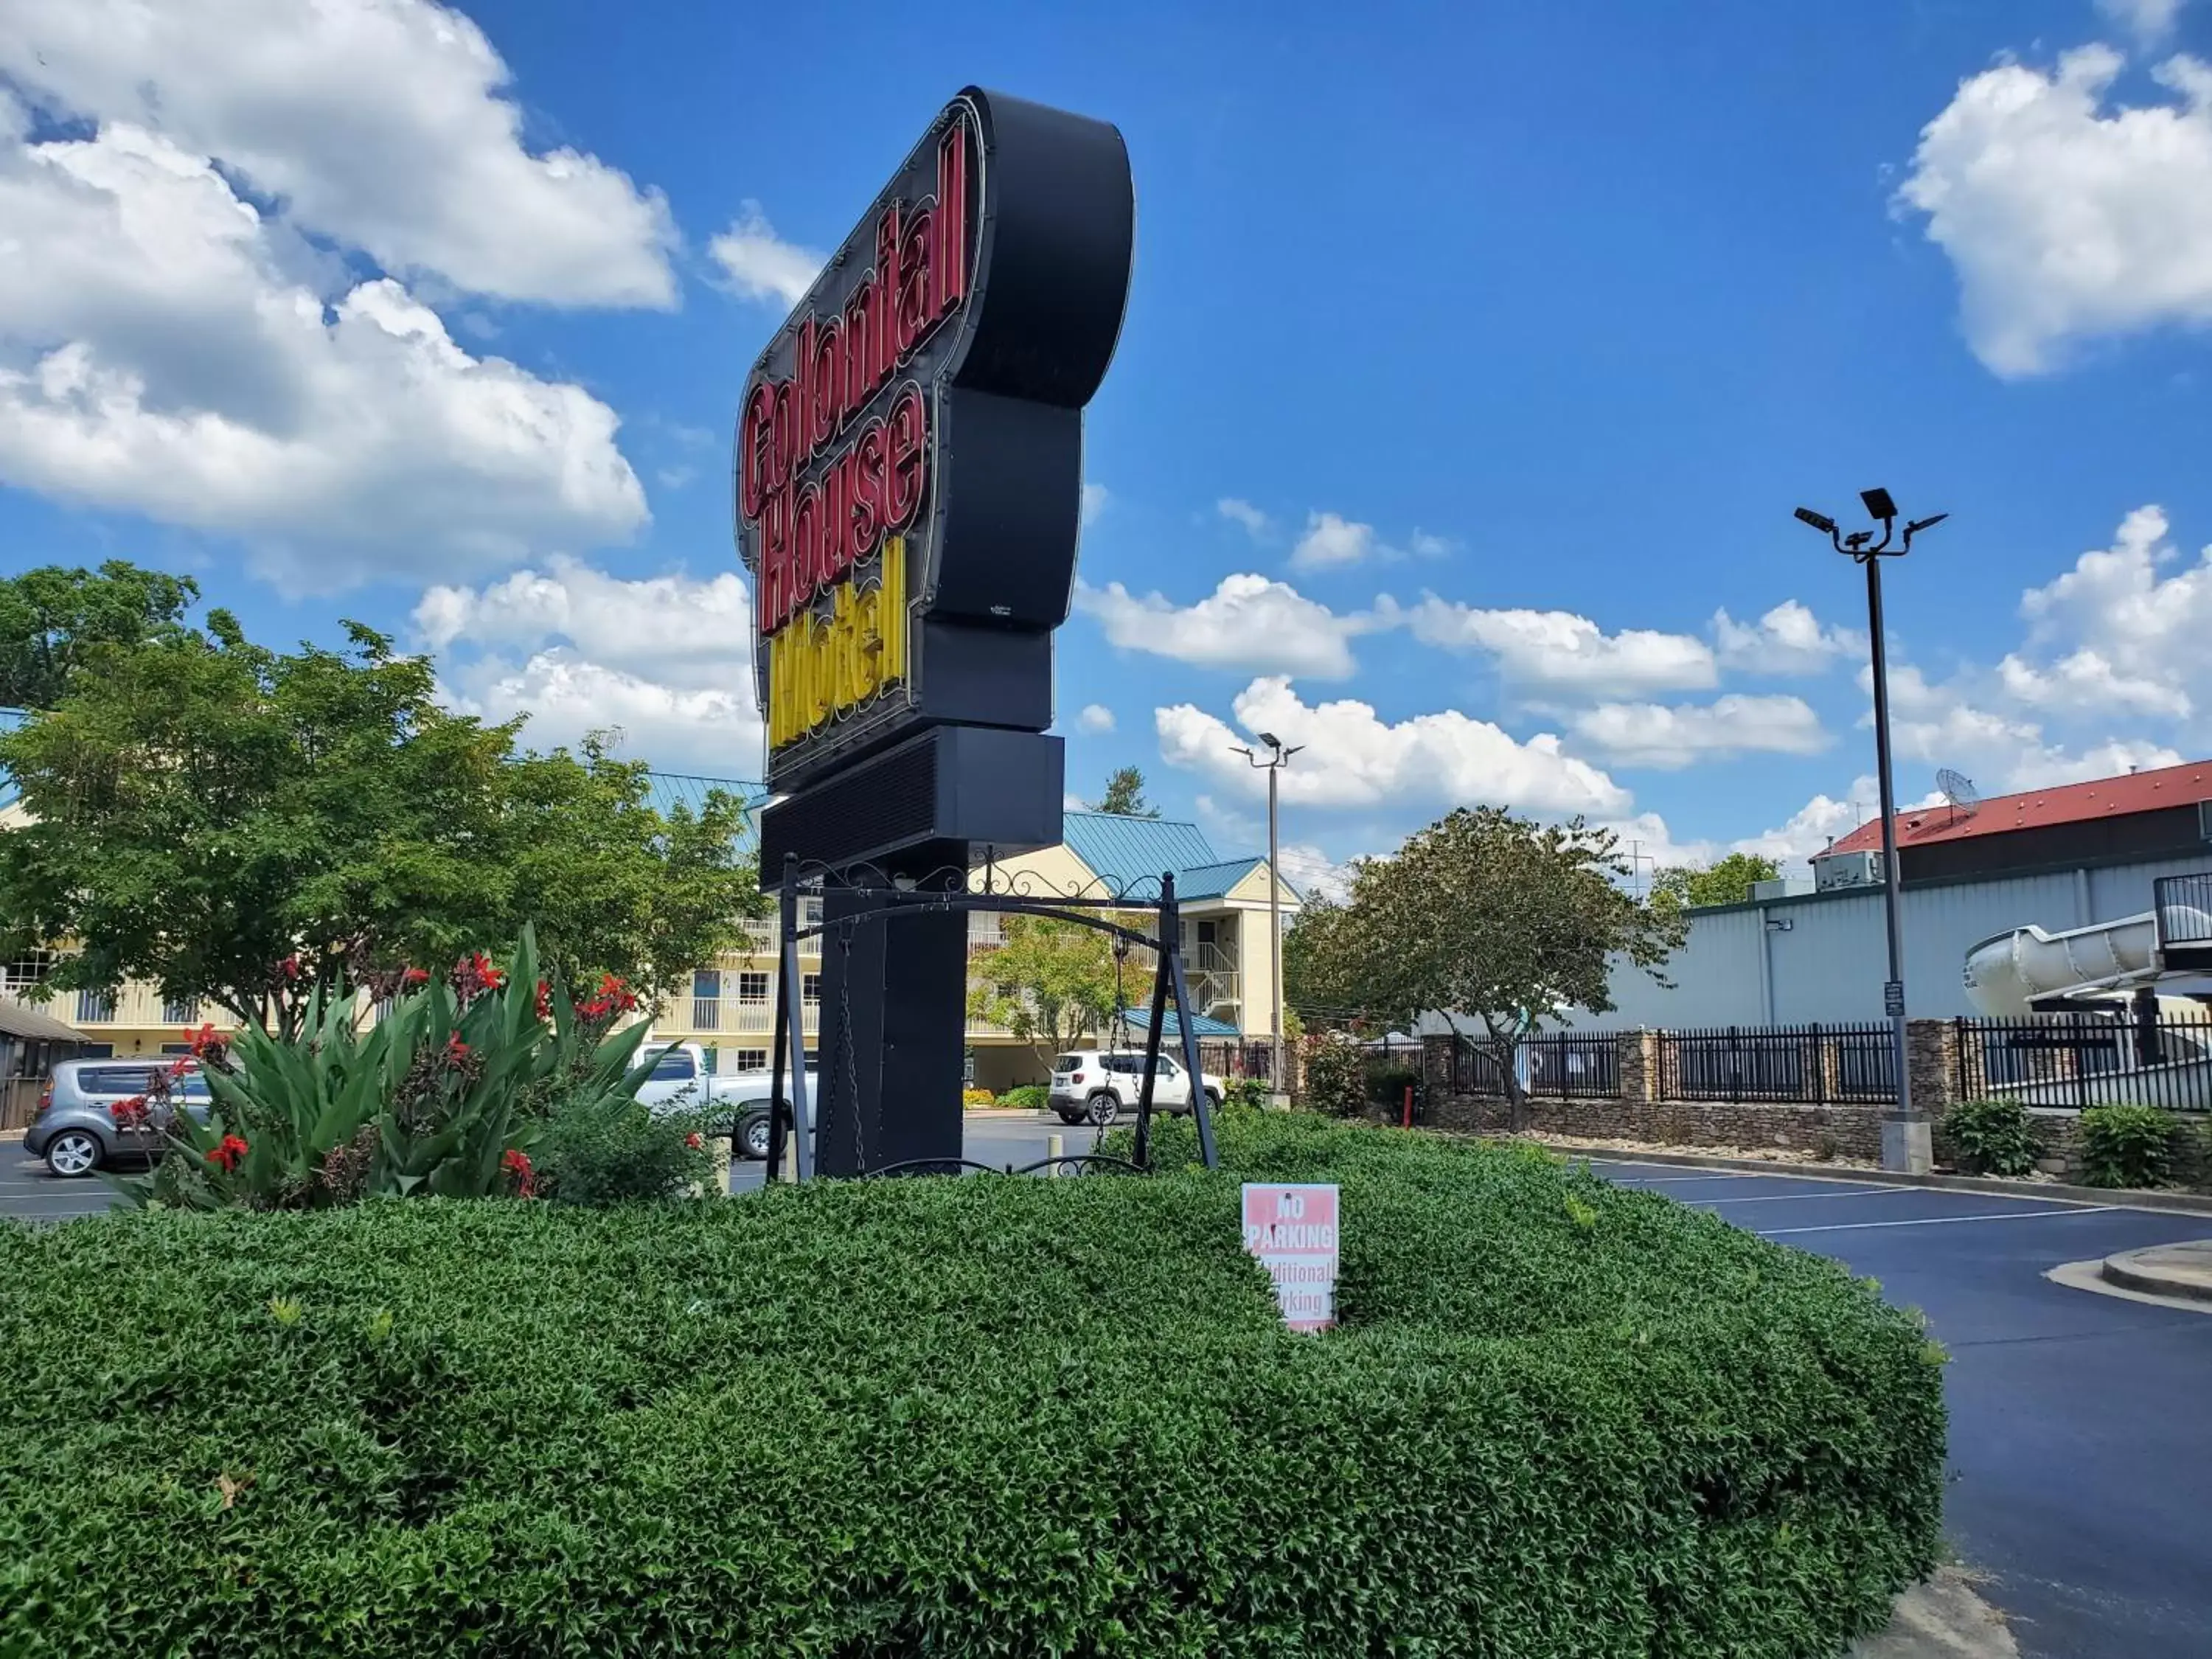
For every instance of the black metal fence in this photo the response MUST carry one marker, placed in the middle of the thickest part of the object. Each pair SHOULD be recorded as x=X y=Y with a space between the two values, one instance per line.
x=1583 y=1066
x=1788 y=1063
x=2132 y=1056
x=1227 y=1057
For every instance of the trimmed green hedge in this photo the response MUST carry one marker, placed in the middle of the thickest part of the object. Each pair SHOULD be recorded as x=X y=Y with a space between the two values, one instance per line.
x=960 y=1417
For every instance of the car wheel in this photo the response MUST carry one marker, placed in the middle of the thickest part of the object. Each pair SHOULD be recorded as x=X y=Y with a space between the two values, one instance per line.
x=753 y=1136
x=73 y=1153
x=1213 y=1100
x=1104 y=1109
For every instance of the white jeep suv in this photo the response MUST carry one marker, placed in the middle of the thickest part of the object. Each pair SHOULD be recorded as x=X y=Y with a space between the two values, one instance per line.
x=1096 y=1085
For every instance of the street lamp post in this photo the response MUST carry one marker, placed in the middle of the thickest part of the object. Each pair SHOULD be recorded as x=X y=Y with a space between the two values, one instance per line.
x=1904 y=1134
x=1278 y=758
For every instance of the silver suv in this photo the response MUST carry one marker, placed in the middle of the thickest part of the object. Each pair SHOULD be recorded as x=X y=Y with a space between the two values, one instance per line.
x=75 y=1129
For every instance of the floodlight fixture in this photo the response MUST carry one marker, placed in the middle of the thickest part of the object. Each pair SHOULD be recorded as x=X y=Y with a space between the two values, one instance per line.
x=1819 y=521
x=1271 y=740
x=1919 y=525
x=1878 y=504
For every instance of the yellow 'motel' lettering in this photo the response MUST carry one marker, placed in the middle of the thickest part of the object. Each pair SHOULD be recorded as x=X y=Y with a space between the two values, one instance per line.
x=819 y=667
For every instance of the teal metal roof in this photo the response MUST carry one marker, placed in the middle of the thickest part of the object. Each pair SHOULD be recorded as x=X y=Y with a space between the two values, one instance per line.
x=1123 y=851
x=1139 y=1020
x=1213 y=880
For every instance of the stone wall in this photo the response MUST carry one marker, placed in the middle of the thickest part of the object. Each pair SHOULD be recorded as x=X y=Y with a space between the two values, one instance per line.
x=1826 y=1131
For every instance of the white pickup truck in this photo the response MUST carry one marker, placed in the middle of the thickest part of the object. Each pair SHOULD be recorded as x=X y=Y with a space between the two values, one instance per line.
x=680 y=1081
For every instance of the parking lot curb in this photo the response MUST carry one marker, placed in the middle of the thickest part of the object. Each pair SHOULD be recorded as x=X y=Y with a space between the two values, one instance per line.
x=2169 y=1270
x=2118 y=1197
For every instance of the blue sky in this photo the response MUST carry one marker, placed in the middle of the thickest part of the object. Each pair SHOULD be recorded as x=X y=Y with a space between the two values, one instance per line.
x=1474 y=360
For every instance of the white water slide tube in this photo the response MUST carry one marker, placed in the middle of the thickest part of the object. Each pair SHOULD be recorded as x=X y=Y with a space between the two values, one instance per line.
x=2006 y=974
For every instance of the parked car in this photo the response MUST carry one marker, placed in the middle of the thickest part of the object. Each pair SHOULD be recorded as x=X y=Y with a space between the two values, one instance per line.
x=75 y=1128
x=754 y=1098
x=1097 y=1086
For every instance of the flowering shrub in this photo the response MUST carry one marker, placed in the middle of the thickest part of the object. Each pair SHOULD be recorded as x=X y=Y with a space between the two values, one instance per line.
x=1335 y=1073
x=444 y=1095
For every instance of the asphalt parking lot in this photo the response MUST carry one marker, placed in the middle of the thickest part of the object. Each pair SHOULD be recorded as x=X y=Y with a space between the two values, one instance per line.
x=2080 y=1425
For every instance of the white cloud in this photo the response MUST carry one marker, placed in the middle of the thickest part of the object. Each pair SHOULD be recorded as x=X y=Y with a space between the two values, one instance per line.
x=666 y=658
x=1810 y=829
x=1657 y=735
x=1648 y=845
x=1788 y=639
x=1354 y=758
x=2066 y=223
x=1558 y=651
x=2139 y=635
x=1257 y=524
x=2085 y=683
x=1249 y=622
x=1312 y=873
x=165 y=349
x=1942 y=726
x=1330 y=540
x=759 y=263
x=381 y=123
x=1096 y=500
x=1095 y=719
x=2147 y=20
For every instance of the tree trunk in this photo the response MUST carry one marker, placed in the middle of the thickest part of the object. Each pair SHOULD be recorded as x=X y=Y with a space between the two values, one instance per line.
x=1505 y=1046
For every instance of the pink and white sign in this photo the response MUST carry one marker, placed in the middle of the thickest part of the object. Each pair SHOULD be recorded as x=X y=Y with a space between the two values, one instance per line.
x=1292 y=1230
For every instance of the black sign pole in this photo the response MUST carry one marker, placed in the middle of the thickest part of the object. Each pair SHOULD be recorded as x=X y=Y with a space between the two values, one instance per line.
x=1160 y=990
x=1171 y=931
x=779 y=1107
x=802 y=1119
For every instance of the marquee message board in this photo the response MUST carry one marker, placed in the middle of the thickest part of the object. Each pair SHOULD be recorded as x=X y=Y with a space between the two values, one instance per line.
x=1292 y=1230
x=910 y=455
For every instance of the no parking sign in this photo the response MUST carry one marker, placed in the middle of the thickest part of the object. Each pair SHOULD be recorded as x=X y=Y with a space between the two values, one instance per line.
x=1292 y=1230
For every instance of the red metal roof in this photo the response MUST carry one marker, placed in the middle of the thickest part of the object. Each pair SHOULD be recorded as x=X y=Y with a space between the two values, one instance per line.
x=2033 y=809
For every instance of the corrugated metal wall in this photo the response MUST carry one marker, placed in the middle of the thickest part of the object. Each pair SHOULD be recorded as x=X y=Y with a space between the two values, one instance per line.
x=1823 y=957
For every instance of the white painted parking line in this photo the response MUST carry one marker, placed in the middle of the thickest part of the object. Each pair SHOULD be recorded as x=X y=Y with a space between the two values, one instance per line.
x=1802 y=1198
x=1684 y=1181
x=1938 y=1221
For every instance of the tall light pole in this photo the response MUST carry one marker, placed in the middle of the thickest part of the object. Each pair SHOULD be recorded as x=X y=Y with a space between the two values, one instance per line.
x=1904 y=1134
x=1278 y=758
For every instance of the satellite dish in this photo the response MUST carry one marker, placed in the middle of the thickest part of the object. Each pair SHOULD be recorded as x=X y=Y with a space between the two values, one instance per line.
x=1959 y=789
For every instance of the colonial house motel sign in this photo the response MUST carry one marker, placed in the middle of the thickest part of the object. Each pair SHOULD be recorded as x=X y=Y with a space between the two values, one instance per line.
x=909 y=477
x=910 y=448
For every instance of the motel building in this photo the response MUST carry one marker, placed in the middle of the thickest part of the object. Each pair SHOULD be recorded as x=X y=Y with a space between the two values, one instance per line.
x=730 y=1009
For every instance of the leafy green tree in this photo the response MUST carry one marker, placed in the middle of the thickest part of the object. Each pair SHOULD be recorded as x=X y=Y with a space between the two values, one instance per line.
x=1483 y=916
x=1050 y=983
x=1728 y=881
x=1125 y=794
x=246 y=826
x=53 y=618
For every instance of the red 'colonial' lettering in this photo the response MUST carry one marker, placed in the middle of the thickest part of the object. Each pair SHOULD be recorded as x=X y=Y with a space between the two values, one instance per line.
x=818 y=515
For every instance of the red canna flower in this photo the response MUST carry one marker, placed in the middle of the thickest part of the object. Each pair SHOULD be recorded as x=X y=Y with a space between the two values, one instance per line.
x=415 y=976
x=516 y=1163
x=207 y=1044
x=289 y=967
x=456 y=1050
x=228 y=1153
x=545 y=1000
x=129 y=1114
x=694 y=1141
